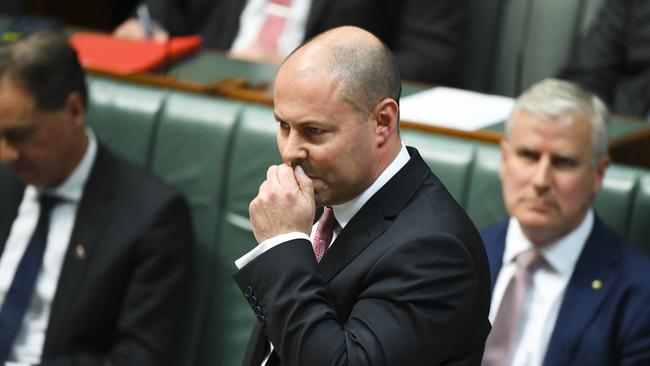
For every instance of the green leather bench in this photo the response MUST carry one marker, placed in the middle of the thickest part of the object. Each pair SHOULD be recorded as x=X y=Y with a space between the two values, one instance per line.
x=216 y=153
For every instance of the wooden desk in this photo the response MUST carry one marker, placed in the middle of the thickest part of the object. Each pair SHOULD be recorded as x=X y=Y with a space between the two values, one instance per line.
x=212 y=72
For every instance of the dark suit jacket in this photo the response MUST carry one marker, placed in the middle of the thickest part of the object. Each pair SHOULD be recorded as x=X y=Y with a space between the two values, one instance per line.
x=607 y=327
x=614 y=59
x=405 y=283
x=424 y=35
x=121 y=303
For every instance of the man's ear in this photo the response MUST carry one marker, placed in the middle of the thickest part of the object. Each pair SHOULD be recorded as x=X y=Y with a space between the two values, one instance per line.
x=75 y=109
x=601 y=167
x=503 y=146
x=386 y=115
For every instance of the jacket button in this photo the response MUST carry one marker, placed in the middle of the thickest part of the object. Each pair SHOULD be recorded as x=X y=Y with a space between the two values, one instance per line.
x=248 y=291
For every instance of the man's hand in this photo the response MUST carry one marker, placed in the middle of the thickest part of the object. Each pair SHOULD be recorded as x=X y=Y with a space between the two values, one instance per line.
x=284 y=203
x=132 y=29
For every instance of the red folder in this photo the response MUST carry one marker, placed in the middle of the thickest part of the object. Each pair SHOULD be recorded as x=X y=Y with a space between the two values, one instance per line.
x=106 y=53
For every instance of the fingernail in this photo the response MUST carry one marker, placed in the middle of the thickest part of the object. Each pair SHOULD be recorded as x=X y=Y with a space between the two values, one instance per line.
x=299 y=171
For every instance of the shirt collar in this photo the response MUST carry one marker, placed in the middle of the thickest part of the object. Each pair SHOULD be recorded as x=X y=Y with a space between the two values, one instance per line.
x=561 y=255
x=346 y=211
x=72 y=188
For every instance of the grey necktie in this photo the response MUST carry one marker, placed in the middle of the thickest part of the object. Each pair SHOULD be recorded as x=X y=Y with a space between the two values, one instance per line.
x=498 y=348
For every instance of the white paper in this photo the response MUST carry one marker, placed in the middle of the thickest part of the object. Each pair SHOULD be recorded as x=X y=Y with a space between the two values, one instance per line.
x=455 y=108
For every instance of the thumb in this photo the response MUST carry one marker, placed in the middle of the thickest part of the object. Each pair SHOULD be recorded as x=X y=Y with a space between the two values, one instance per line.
x=304 y=182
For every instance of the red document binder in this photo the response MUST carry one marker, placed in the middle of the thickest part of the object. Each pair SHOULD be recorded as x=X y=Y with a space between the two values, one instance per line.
x=106 y=53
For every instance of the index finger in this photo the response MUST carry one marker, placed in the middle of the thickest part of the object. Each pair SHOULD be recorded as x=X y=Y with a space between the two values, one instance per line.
x=285 y=177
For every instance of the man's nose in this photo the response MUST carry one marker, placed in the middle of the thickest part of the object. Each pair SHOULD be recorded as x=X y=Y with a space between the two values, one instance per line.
x=293 y=150
x=541 y=179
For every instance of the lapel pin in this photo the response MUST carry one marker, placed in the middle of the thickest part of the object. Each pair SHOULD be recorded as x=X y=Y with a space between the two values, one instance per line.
x=597 y=285
x=80 y=251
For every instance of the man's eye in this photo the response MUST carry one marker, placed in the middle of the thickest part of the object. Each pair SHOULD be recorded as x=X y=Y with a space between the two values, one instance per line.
x=19 y=135
x=315 y=130
x=528 y=155
x=564 y=162
x=283 y=125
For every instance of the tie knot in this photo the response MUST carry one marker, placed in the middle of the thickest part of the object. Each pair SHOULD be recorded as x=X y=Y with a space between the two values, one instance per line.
x=529 y=260
x=47 y=202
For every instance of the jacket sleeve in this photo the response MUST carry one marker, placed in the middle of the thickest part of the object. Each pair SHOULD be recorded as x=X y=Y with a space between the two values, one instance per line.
x=410 y=308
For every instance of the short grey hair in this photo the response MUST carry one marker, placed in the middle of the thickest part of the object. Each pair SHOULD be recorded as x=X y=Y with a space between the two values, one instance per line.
x=553 y=98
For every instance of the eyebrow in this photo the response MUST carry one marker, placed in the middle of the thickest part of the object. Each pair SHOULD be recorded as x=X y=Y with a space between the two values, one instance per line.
x=572 y=158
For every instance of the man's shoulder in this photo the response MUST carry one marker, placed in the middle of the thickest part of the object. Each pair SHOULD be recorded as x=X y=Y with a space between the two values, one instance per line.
x=633 y=265
x=495 y=233
x=131 y=182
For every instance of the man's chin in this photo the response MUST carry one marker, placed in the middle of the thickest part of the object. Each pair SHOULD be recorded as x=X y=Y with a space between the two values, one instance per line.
x=538 y=220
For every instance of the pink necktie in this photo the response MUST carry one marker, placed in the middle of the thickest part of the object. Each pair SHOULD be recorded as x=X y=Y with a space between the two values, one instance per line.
x=273 y=24
x=324 y=232
x=498 y=347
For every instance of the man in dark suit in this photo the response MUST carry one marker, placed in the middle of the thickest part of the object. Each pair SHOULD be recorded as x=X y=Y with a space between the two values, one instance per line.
x=587 y=296
x=613 y=60
x=405 y=280
x=115 y=267
x=424 y=35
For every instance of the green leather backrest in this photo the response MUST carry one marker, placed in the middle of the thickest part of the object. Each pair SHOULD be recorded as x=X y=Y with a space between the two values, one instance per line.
x=615 y=199
x=450 y=159
x=124 y=117
x=484 y=197
x=639 y=229
x=191 y=153
x=497 y=31
x=253 y=149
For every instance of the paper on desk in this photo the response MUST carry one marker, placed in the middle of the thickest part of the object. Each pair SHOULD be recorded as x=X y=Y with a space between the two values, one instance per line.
x=455 y=108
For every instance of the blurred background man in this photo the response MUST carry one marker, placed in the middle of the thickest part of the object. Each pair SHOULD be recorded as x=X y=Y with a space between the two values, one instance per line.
x=94 y=254
x=613 y=60
x=424 y=35
x=567 y=290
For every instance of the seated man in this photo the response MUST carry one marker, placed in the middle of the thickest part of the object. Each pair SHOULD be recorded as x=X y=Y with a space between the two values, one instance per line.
x=424 y=35
x=94 y=253
x=567 y=290
x=397 y=274
x=613 y=60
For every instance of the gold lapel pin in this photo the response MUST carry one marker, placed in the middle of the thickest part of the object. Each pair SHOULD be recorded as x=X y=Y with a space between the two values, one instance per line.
x=80 y=251
x=597 y=284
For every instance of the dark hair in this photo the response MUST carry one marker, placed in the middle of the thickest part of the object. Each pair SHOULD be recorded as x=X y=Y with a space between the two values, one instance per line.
x=47 y=66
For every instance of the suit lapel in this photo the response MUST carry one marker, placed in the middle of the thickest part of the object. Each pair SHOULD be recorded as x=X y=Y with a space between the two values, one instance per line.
x=364 y=227
x=495 y=245
x=11 y=193
x=582 y=301
x=92 y=215
x=375 y=216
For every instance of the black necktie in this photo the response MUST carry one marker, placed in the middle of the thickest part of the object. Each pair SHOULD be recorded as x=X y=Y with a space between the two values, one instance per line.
x=21 y=289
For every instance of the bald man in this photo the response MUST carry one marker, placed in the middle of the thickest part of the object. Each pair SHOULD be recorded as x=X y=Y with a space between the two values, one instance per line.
x=404 y=278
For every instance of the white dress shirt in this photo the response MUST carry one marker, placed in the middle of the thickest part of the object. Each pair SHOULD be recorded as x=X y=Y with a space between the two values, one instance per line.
x=343 y=213
x=254 y=15
x=28 y=345
x=543 y=301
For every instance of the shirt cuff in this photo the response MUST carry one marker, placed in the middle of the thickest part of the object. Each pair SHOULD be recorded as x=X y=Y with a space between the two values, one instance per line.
x=268 y=244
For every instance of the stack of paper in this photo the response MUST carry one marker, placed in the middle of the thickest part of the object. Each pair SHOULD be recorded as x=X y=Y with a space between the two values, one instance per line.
x=455 y=108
